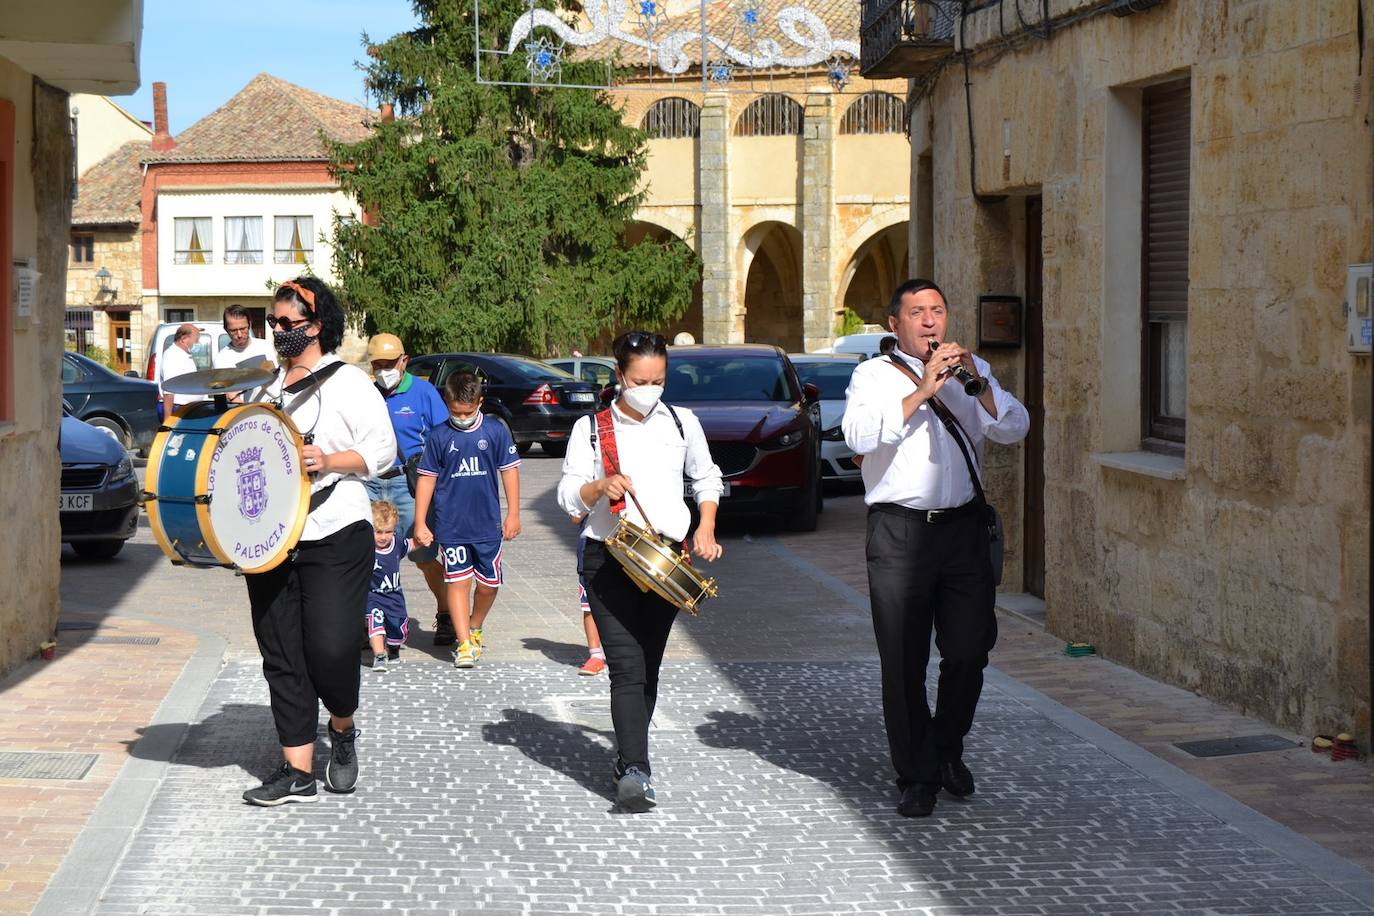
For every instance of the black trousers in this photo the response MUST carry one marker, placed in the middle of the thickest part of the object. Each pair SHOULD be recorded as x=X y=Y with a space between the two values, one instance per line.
x=922 y=575
x=307 y=617
x=634 y=628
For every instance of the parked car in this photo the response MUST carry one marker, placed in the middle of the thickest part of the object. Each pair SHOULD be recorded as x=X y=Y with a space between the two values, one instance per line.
x=762 y=424
x=126 y=408
x=599 y=370
x=865 y=344
x=212 y=339
x=98 y=501
x=830 y=373
x=538 y=402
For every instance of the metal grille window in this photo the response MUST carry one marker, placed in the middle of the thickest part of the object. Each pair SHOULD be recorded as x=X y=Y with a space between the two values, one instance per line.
x=771 y=115
x=874 y=113
x=672 y=119
x=1166 y=112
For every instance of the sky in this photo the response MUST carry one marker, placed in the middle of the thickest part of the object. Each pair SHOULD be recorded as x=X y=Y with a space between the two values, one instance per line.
x=207 y=52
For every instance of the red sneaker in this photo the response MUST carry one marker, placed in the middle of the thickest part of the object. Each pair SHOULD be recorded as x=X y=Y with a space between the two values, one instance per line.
x=593 y=666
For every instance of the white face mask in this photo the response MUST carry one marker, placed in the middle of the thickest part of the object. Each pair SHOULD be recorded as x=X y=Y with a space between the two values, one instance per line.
x=642 y=397
x=463 y=422
x=388 y=378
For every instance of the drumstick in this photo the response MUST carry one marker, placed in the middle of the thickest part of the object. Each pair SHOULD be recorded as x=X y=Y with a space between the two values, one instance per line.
x=648 y=524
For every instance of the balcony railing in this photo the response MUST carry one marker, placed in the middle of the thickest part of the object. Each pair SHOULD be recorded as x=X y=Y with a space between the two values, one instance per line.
x=904 y=38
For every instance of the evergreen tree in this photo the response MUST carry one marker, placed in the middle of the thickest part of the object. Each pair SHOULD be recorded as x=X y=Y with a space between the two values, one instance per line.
x=499 y=211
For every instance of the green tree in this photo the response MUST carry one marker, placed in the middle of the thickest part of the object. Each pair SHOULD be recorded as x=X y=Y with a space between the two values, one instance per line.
x=498 y=212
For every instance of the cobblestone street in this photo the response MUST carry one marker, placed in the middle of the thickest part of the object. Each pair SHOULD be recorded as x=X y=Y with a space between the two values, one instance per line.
x=489 y=790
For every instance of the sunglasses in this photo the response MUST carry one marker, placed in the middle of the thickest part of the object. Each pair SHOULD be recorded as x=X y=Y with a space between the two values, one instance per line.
x=637 y=339
x=287 y=323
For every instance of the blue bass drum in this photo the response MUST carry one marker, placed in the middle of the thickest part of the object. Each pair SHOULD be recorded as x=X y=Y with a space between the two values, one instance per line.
x=227 y=486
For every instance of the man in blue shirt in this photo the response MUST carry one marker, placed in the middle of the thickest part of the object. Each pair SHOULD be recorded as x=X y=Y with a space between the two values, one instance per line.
x=415 y=408
x=458 y=472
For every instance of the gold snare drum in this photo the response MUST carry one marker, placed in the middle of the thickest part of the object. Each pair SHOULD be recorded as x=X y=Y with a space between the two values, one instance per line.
x=653 y=564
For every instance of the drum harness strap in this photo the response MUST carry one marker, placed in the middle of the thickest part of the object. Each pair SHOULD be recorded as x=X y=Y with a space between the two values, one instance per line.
x=311 y=383
x=604 y=437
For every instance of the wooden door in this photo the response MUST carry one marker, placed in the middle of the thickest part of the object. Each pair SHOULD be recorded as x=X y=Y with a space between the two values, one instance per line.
x=1033 y=537
x=120 y=342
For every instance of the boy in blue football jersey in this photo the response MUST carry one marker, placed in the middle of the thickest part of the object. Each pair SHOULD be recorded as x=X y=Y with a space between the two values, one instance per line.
x=387 y=619
x=458 y=472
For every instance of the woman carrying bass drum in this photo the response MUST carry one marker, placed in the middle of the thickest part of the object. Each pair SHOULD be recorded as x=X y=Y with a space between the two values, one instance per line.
x=307 y=611
x=640 y=446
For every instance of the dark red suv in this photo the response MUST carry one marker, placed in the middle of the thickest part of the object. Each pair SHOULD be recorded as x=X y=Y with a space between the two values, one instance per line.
x=762 y=423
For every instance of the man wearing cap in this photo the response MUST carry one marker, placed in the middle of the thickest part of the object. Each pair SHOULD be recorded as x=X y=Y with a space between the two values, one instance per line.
x=416 y=408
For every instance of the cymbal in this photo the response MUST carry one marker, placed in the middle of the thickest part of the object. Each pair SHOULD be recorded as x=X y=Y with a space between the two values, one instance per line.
x=217 y=381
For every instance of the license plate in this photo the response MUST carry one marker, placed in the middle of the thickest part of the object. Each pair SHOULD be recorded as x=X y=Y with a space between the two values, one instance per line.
x=75 y=502
x=581 y=397
x=687 y=490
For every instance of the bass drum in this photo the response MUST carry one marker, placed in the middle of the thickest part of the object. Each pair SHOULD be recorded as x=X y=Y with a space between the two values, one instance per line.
x=227 y=486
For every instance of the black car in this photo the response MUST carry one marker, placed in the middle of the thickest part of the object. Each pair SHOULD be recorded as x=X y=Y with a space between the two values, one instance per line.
x=762 y=424
x=98 y=503
x=538 y=402
x=124 y=407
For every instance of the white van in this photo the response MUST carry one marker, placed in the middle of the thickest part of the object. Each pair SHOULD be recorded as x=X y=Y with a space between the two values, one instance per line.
x=212 y=338
x=866 y=345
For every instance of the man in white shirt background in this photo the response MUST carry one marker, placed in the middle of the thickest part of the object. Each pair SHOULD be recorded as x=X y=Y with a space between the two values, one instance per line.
x=243 y=351
x=177 y=360
x=927 y=545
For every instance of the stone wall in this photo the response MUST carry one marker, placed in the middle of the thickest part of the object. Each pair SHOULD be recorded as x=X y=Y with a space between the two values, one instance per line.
x=29 y=466
x=1239 y=570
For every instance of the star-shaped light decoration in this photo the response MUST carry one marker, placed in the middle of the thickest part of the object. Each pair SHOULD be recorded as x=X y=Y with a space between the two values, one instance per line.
x=838 y=72
x=720 y=72
x=751 y=16
x=650 y=16
x=544 y=59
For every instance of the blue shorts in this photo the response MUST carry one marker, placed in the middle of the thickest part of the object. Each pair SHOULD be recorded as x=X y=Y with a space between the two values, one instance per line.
x=464 y=561
x=582 y=601
x=395 y=492
x=387 y=617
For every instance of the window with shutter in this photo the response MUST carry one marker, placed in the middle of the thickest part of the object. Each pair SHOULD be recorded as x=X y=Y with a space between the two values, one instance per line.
x=1166 y=113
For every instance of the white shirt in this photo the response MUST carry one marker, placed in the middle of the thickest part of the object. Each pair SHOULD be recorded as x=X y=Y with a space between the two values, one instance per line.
x=254 y=353
x=916 y=463
x=176 y=361
x=345 y=413
x=654 y=455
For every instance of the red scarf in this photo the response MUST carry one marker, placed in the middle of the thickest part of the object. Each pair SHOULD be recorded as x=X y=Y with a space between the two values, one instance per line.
x=610 y=455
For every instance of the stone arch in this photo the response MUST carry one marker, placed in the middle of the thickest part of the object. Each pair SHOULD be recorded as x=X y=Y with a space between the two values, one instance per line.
x=874 y=113
x=672 y=118
x=771 y=115
x=873 y=271
x=691 y=320
x=771 y=291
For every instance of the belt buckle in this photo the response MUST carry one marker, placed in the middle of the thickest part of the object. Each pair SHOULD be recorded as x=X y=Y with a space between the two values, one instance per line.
x=933 y=515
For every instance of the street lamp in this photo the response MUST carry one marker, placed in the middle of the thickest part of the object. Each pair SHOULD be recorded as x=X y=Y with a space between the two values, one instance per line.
x=103 y=276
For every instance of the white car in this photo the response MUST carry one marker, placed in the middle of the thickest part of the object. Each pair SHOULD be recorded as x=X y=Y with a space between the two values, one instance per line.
x=830 y=373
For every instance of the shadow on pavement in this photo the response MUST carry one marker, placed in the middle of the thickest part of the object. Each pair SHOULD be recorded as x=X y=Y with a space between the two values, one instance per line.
x=561 y=746
x=216 y=741
x=564 y=653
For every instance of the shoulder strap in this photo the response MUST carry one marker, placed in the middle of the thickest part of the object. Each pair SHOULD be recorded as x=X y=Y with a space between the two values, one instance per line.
x=610 y=454
x=314 y=378
x=949 y=421
x=676 y=420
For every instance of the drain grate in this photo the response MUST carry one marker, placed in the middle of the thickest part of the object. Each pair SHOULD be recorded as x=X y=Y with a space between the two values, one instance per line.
x=77 y=625
x=1225 y=747
x=124 y=640
x=45 y=765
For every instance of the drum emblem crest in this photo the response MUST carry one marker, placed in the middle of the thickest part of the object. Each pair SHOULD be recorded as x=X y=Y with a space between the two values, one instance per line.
x=252 y=483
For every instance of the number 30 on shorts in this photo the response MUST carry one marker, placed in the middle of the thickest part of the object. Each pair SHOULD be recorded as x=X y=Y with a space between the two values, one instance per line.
x=456 y=556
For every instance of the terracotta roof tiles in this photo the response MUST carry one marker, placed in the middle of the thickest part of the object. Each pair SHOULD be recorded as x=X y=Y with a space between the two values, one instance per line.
x=109 y=192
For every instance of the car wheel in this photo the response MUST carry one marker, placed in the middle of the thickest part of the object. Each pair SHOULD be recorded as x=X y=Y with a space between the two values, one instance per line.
x=804 y=517
x=113 y=427
x=555 y=449
x=98 y=550
x=523 y=447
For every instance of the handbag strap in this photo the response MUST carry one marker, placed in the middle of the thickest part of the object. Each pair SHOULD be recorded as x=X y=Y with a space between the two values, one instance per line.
x=950 y=422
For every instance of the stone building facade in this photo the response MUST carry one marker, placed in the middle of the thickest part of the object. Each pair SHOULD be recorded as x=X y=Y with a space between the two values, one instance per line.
x=1203 y=467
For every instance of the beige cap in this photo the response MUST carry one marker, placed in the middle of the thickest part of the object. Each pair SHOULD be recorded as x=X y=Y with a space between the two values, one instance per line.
x=385 y=346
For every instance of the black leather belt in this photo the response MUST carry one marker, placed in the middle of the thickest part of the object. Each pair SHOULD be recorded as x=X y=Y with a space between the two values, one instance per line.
x=390 y=473
x=928 y=516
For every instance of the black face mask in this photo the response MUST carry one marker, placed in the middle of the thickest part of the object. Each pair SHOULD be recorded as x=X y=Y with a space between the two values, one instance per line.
x=291 y=343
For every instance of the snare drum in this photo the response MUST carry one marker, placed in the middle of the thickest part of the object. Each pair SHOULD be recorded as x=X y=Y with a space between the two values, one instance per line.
x=652 y=564
x=227 y=486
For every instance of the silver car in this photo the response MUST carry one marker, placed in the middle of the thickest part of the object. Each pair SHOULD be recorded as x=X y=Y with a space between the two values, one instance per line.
x=830 y=373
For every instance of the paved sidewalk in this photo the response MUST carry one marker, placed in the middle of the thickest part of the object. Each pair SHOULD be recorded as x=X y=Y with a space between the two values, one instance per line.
x=488 y=790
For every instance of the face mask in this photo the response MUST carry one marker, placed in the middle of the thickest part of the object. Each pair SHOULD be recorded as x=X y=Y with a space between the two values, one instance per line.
x=642 y=397
x=388 y=378
x=291 y=343
x=464 y=423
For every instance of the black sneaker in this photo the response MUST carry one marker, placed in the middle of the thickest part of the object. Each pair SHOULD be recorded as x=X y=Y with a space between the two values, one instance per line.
x=393 y=653
x=286 y=785
x=444 y=634
x=341 y=773
x=634 y=792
